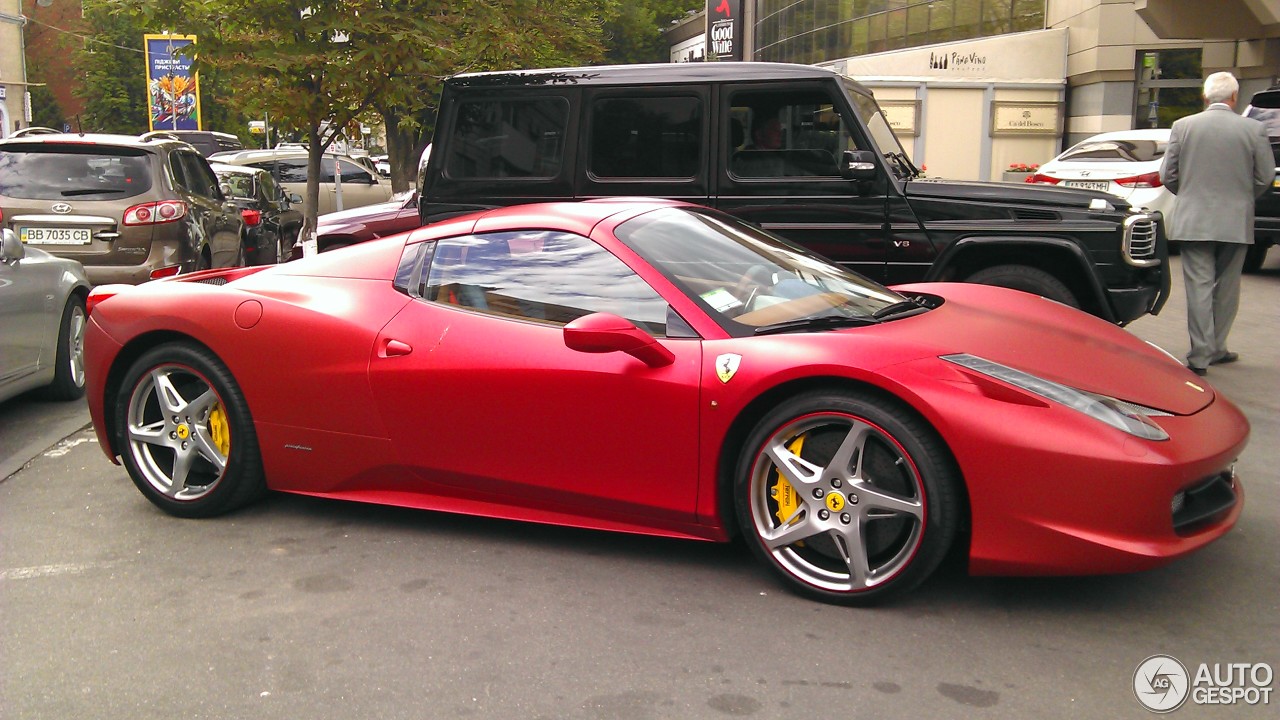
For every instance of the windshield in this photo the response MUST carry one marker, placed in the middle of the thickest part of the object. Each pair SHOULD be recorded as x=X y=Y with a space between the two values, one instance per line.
x=745 y=278
x=873 y=118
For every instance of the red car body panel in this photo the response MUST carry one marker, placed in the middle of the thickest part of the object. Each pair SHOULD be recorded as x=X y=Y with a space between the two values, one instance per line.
x=360 y=392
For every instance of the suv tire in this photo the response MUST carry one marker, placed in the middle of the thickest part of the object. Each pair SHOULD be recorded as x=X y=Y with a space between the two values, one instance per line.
x=1026 y=279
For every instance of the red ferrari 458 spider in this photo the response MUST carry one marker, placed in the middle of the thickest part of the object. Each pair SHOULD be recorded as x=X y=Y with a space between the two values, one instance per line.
x=654 y=367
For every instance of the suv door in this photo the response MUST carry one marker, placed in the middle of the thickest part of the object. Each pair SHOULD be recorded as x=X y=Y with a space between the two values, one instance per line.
x=211 y=217
x=780 y=149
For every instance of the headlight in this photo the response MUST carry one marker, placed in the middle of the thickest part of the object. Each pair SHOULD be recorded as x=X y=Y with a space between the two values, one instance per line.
x=1133 y=419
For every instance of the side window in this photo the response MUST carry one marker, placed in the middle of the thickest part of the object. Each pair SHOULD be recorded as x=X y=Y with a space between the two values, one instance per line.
x=353 y=174
x=267 y=186
x=179 y=172
x=797 y=133
x=646 y=137
x=543 y=276
x=200 y=179
x=293 y=170
x=508 y=139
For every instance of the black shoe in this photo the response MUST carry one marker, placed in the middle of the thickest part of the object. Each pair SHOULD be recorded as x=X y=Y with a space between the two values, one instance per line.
x=1227 y=357
x=1199 y=371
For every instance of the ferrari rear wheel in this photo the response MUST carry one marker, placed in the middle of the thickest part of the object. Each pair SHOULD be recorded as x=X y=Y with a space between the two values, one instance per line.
x=186 y=436
x=850 y=498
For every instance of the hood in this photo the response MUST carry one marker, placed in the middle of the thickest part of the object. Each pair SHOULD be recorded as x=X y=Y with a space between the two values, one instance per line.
x=361 y=214
x=994 y=193
x=1054 y=342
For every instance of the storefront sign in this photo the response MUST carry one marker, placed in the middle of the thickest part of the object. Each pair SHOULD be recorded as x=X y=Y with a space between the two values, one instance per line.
x=724 y=29
x=903 y=116
x=1026 y=118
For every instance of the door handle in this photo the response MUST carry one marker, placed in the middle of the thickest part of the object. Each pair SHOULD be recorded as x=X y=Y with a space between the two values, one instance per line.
x=393 y=348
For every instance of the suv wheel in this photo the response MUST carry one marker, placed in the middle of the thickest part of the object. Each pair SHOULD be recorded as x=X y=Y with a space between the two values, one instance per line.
x=1026 y=279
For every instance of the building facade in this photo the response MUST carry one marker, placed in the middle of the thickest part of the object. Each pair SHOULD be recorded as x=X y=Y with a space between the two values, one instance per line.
x=13 y=71
x=1024 y=77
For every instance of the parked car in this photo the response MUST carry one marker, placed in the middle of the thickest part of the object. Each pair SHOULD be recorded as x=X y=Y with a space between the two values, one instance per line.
x=42 y=313
x=348 y=227
x=706 y=378
x=207 y=142
x=128 y=208
x=271 y=223
x=1265 y=107
x=838 y=182
x=1125 y=163
x=360 y=185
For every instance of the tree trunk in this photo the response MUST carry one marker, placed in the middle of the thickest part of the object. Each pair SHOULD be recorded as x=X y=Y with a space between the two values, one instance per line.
x=404 y=146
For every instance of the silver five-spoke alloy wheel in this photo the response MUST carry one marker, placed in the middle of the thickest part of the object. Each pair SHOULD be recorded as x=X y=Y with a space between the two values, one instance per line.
x=178 y=432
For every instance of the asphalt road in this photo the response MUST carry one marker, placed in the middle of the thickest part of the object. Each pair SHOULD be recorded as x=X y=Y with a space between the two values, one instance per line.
x=306 y=608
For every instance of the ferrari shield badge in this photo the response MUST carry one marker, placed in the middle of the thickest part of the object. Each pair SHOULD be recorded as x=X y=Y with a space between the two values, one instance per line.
x=727 y=366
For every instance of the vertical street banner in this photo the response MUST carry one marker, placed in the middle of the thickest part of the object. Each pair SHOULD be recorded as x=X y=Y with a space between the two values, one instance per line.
x=724 y=29
x=173 y=92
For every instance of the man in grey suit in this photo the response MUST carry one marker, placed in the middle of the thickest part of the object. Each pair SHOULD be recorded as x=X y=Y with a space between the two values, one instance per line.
x=1217 y=163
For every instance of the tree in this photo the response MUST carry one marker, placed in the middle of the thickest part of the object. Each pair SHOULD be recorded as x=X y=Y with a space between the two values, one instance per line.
x=634 y=31
x=115 y=85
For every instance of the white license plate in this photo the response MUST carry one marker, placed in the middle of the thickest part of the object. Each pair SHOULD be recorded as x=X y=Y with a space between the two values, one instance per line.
x=55 y=236
x=1089 y=185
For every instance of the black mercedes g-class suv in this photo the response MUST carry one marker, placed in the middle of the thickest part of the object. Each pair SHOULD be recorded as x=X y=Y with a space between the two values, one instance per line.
x=1265 y=108
x=801 y=151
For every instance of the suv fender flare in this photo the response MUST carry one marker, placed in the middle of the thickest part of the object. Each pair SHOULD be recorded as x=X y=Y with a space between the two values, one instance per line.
x=1092 y=295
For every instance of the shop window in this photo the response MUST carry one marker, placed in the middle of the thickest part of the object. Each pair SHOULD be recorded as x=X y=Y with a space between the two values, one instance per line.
x=1169 y=86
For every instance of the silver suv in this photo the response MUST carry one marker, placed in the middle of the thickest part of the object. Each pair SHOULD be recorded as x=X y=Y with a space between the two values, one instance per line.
x=129 y=209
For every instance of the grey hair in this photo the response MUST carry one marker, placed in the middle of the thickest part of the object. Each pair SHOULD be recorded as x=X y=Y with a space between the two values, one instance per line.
x=1220 y=86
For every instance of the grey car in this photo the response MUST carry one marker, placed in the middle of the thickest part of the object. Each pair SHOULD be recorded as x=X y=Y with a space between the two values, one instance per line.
x=42 y=321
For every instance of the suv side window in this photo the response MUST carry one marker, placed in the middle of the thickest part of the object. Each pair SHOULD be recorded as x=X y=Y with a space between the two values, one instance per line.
x=291 y=170
x=645 y=137
x=788 y=133
x=547 y=277
x=500 y=138
x=200 y=179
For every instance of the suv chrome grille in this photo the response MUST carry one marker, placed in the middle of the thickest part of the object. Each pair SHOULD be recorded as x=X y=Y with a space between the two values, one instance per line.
x=1141 y=233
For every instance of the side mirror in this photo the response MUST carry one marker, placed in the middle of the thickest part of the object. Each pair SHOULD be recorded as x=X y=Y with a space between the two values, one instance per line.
x=858 y=165
x=294 y=198
x=13 y=249
x=604 y=332
x=226 y=189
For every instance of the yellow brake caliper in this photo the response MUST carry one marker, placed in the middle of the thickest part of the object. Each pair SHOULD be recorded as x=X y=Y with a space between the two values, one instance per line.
x=783 y=494
x=220 y=429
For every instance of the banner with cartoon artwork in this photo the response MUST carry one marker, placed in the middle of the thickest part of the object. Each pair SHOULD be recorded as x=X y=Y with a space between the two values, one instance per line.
x=173 y=92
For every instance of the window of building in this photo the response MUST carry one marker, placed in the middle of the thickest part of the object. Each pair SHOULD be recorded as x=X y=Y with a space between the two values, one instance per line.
x=1169 y=86
x=797 y=31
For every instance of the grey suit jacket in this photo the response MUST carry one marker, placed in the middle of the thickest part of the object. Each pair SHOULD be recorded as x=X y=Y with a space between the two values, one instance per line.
x=1217 y=163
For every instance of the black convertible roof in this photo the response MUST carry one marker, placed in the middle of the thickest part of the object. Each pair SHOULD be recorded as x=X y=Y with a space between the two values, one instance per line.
x=655 y=74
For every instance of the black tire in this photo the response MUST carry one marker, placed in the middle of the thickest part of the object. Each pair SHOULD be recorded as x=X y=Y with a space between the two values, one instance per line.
x=1026 y=279
x=197 y=454
x=68 y=375
x=1255 y=256
x=898 y=505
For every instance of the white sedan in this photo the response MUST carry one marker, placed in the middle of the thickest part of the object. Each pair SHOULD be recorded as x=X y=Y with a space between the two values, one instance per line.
x=1124 y=163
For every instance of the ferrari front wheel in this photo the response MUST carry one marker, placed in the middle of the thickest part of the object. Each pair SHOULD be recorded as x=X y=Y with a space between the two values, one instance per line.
x=185 y=433
x=849 y=497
